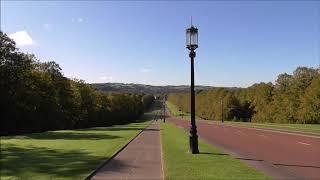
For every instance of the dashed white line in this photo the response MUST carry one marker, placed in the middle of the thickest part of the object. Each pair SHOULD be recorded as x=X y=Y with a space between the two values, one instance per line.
x=263 y=135
x=304 y=143
x=240 y=132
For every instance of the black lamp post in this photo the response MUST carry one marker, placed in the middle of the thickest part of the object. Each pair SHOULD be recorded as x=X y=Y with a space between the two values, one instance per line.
x=164 y=108
x=221 y=110
x=192 y=45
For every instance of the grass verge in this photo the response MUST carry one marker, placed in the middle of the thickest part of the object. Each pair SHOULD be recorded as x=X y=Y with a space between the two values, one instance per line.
x=300 y=128
x=211 y=163
x=295 y=128
x=67 y=154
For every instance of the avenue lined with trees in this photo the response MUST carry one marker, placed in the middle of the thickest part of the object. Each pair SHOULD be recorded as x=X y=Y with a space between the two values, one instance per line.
x=36 y=97
x=110 y=126
x=292 y=99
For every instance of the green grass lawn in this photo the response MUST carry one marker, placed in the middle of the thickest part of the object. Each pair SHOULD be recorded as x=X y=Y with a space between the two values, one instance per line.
x=211 y=163
x=302 y=128
x=67 y=154
x=299 y=128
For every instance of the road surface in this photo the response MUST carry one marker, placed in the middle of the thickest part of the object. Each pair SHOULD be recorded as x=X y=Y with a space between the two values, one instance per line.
x=279 y=155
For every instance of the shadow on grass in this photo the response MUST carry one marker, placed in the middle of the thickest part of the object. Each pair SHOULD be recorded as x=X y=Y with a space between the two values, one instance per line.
x=67 y=135
x=18 y=161
x=120 y=129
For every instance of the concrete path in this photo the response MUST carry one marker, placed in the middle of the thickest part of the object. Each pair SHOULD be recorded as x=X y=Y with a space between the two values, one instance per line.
x=141 y=159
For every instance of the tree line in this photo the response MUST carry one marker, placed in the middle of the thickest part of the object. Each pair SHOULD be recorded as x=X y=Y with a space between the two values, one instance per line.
x=293 y=98
x=35 y=96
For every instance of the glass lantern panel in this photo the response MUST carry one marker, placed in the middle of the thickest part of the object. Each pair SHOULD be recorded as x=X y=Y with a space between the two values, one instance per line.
x=188 y=37
x=194 y=39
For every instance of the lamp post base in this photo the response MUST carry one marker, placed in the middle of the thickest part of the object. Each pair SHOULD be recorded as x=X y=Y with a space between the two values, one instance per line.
x=193 y=144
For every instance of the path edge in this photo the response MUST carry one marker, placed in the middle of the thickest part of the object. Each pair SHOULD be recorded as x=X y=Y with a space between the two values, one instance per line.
x=115 y=154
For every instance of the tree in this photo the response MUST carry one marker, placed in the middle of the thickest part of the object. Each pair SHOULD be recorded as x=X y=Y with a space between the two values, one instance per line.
x=292 y=99
x=36 y=97
x=310 y=104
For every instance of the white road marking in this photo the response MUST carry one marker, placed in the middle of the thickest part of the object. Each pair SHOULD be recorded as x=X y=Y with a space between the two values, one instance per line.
x=263 y=135
x=240 y=132
x=304 y=143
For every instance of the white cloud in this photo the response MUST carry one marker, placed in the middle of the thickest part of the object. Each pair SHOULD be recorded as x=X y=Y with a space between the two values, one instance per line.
x=22 y=38
x=145 y=69
x=77 y=20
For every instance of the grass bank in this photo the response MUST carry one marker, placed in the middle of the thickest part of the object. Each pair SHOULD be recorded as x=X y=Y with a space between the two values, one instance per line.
x=296 y=128
x=300 y=128
x=67 y=154
x=211 y=163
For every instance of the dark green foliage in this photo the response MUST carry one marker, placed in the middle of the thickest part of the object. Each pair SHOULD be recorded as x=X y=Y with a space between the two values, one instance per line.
x=292 y=99
x=147 y=100
x=36 y=97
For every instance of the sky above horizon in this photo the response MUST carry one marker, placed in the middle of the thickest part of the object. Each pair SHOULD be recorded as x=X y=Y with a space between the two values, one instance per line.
x=240 y=42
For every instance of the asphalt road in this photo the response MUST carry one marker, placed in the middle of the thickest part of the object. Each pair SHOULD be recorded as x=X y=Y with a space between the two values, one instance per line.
x=277 y=154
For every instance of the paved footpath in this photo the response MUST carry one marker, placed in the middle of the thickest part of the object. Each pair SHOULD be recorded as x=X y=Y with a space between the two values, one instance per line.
x=141 y=159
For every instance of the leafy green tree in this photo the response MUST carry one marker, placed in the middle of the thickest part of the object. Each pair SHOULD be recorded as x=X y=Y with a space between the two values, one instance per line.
x=310 y=103
x=292 y=99
x=147 y=100
x=36 y=97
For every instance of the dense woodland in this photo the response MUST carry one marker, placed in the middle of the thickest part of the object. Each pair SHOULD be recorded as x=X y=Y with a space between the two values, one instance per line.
x=292 y=99
x=35 y=96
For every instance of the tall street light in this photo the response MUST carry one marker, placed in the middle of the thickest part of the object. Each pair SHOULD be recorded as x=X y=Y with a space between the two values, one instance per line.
x=164 y=108
x=221 y=110
x=192 y=45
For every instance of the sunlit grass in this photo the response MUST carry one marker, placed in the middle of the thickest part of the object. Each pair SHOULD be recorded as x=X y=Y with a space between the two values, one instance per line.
x=302 y=128
x=211 y=163
x=68 y=154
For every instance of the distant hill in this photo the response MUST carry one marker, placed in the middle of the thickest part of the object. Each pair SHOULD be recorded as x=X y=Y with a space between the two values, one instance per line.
x=147 y=89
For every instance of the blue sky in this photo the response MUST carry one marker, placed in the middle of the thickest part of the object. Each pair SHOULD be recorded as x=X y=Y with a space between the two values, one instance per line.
x=240 y=43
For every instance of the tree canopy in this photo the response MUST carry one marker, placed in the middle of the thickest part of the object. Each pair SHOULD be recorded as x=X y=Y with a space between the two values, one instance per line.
x=292 y=99
x=35 y=96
